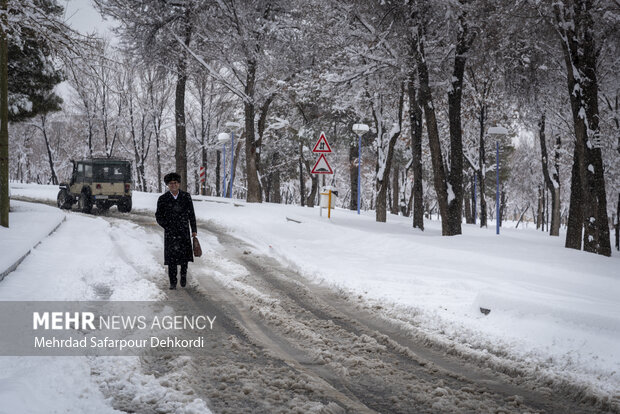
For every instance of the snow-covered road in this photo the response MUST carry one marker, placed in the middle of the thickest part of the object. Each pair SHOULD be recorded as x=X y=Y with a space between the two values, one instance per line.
x=339 y=351
x=282 y=343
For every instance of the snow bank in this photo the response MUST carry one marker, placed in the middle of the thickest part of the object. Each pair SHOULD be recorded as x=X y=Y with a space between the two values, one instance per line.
x=29 y=224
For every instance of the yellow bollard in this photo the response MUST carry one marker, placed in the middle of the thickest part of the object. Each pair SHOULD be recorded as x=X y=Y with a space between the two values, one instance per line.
x=329 y=204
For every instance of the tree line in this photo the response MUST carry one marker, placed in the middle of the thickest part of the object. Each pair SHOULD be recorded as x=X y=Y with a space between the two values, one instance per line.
x=430 y=78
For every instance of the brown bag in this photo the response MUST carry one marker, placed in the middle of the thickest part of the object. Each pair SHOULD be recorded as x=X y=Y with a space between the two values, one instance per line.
x=197 y=249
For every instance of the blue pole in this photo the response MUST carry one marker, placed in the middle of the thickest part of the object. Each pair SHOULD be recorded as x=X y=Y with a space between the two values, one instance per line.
x=232 y=163
x=496 y=187
x=224 y=170
x=359 y=171
x=475 y=197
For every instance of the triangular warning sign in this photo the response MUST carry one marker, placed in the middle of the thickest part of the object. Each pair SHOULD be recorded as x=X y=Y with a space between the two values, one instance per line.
x=322 y=145
x=322 y=166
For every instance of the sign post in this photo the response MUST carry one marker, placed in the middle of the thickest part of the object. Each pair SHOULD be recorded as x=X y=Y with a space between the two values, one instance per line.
x=322 y=147
x=202 y=178
x=322 y=167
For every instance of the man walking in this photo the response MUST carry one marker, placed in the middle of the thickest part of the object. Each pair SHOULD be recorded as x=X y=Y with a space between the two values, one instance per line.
x=175 y=213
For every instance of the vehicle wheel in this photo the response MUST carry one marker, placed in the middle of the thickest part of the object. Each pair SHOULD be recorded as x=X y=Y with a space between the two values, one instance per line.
x=124 y=205
x=85 y=204
x=64 y=200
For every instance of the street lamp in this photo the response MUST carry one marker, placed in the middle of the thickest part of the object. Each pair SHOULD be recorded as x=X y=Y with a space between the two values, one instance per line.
x=497 y=131
x=223 y=138
x=233 y=126
x=359 y=129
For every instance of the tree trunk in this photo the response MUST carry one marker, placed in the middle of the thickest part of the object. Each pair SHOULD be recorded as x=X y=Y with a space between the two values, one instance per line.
x=618 y=224
x=254 y=194
x=383 y=180
x=596 y=223
x=467 y=205
x=552 y=184
x=555 y=214
x=574 y=226
x=231 y=180
x=267 y=185
x=314 y=189
x=521 y=215
x=91 y=134
x=575 y=26
x=482 y=168
x=302 y=183
x=179 y=118
x=473 y=197
x=158 y=158
x=455 y=94
x=179 y=107
x=205 y=130
x=415 y=115
x=50 y=158
x=132 y=133
x=426 y=102
x=449 y=189
x=203 y=163
x=409 y=205
x=4 y=121
x=275 y=180
x=547 y=208
x=539 y=211
x=543 y=198
x=395 y=191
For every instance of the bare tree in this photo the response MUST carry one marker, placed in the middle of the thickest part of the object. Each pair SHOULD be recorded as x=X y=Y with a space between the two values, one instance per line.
x=448 y=184
x=386 y=140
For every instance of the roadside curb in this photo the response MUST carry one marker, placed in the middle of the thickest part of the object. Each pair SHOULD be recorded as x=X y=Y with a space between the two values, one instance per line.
x=21 y=259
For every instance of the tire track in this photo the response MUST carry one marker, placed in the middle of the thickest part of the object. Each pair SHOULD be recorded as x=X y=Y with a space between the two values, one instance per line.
x=443 y=383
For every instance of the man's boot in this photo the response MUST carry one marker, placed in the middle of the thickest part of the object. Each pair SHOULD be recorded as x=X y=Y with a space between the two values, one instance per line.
x=183 y=274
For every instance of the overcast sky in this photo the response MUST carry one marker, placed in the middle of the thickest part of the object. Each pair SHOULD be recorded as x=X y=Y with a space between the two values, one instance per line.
x=82 y=16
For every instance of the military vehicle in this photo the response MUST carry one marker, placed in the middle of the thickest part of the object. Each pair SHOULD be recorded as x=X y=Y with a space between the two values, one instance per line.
x=102 y=182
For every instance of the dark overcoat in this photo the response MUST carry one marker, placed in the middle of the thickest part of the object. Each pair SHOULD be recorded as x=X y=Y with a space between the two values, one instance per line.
x=176 y=217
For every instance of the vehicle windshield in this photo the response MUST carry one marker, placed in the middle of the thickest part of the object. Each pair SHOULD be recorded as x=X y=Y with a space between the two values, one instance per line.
x=111 y=172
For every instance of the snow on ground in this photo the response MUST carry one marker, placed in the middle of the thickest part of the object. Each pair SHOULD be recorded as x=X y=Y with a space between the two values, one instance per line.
x=553 y=310
x=68 y=266
x=30 y=223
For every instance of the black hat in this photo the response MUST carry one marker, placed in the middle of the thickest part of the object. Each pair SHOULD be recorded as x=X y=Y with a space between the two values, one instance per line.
x=172 y=177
